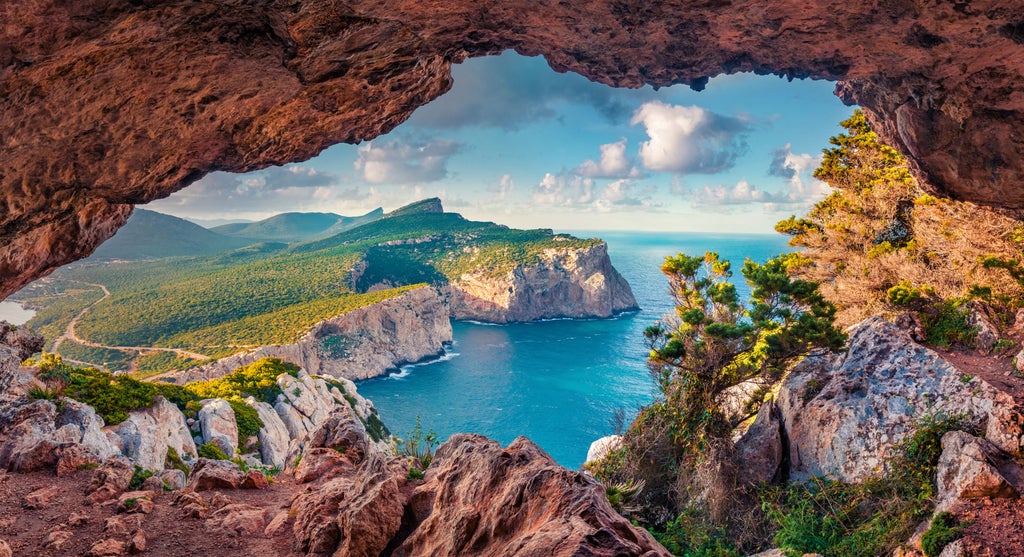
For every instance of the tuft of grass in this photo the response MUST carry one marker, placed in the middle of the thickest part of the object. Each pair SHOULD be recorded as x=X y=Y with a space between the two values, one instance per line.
x=139 y=476
x=944 y=529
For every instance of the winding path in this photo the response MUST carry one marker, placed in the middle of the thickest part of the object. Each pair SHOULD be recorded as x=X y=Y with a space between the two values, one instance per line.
x=69 y=333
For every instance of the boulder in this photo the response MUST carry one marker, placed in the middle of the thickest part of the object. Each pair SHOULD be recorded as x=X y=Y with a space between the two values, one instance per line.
x=122 y=525
x=843 y=415
x=28 y=441
x=986 y=333
x=108 y=548
x=138 y=543
x=111 y=479
x=172 y=479
x=147 y=434
x=89 y=427
x=5 y=550
x=759 y=449
x=140 y=502
x=967 y=469
x=317 y=463
x=273 y=436
x=215 y=474
x=41 y=498
x=74 y=458
x=218 y=425
x=735 y=402
x=601 y=447
x=238 y=520
x=16 y=344
x=254 y=479
x=57 y=539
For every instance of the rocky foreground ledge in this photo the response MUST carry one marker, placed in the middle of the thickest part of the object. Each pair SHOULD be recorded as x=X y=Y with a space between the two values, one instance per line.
x=73 y=485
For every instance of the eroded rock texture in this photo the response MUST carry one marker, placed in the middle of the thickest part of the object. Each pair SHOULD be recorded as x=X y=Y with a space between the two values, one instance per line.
x=104 y=103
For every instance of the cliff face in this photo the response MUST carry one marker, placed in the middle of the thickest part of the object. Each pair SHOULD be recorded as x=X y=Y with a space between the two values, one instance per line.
x=105 y=104
x=566 y=283
x=360 y=344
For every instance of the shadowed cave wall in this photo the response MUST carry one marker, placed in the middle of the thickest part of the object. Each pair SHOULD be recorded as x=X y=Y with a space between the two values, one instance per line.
x=108 y=103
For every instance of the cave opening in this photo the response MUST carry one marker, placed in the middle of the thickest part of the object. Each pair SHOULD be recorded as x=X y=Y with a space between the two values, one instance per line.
x=652 y=172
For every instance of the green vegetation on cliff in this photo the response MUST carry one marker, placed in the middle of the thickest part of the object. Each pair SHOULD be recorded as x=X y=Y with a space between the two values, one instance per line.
x=218 y=304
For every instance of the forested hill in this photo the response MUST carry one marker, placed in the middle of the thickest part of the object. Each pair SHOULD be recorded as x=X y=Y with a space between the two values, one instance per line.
x=213 y=305
x=150 y=235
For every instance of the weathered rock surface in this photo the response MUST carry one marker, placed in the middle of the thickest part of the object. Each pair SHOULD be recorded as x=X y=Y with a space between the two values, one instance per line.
x=565 y=283
x=844 y=415
x=759 y=449
x=195 y=87
x=147 y=433
x=16 y=344
x=217 y=420
x=967 y=469
x=360 y=344
x=477 y=499
x=273 y=436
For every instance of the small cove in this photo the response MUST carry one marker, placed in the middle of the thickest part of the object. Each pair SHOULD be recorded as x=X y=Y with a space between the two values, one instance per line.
x=557 y=382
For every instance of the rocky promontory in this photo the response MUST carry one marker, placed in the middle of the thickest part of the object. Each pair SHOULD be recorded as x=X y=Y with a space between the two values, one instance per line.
x=359 y=344
x=566 y=282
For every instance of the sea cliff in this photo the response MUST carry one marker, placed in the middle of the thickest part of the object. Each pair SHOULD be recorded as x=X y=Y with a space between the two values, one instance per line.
x=363 y=343
x=567 y=282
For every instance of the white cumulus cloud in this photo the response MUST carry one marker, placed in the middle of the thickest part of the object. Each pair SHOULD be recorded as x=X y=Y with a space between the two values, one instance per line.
x=689 y=139
x=613 y=164
x=398 y=162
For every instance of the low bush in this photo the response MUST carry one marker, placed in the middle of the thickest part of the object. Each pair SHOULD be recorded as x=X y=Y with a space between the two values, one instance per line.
x=944 y=529
x=138 y=477
x=211 y=451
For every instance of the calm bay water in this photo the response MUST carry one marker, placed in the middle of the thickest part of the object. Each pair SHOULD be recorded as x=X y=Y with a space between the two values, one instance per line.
x=556 y=382
x=14 y=313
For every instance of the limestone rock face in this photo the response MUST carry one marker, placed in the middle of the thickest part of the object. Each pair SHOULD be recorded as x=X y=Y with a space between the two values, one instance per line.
x=566 y=283
x=147 y=433
x=147 y=98
x=844 y=415
x=601 y=447
x=217 y=421
x=273 y=436
x=360 y=344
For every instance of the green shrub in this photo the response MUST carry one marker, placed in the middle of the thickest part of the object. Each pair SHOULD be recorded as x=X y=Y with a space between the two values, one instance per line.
x=173 y=461
x=905 y=294
x=211 y=451
x=258 y=380
x=414 y=474
x=138 y=476
x=375 y=427
x=41 y=393
x=247 y=419
x=945 y=325
x=418 y=445
x=945 y=529
x=112 y=396
x=690 y=534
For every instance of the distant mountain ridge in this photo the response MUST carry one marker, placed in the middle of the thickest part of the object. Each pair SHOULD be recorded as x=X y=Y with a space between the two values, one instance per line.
x=296 y=227
x=152 y=235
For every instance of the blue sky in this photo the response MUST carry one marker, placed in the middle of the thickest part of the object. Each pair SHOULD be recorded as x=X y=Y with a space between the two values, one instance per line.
x=516 y=143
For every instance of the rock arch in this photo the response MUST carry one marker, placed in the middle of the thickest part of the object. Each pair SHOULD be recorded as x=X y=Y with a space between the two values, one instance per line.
x=107 y=103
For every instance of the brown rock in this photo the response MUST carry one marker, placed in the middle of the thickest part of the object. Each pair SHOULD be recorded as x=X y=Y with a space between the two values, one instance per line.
x=215 y=474
x=238 y=519
x=5 y=550
x=320 y=463
x=136 y=502
x=75 y=458
x=122 y=525
x=57 y=539
x=107 y=548
x=276 y=524
x=477 y=499
x=41 y=498
x=111 y=479
x=137 y=543
x=78 y=519
x=192 y=504
x=254 y=479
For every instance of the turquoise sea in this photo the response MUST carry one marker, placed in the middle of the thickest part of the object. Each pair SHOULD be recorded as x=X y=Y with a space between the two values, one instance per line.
x=557 y=382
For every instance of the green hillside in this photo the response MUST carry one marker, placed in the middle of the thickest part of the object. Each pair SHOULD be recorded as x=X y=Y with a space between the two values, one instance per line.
x=295 y=227
x=151 y=235
x=272 y=293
